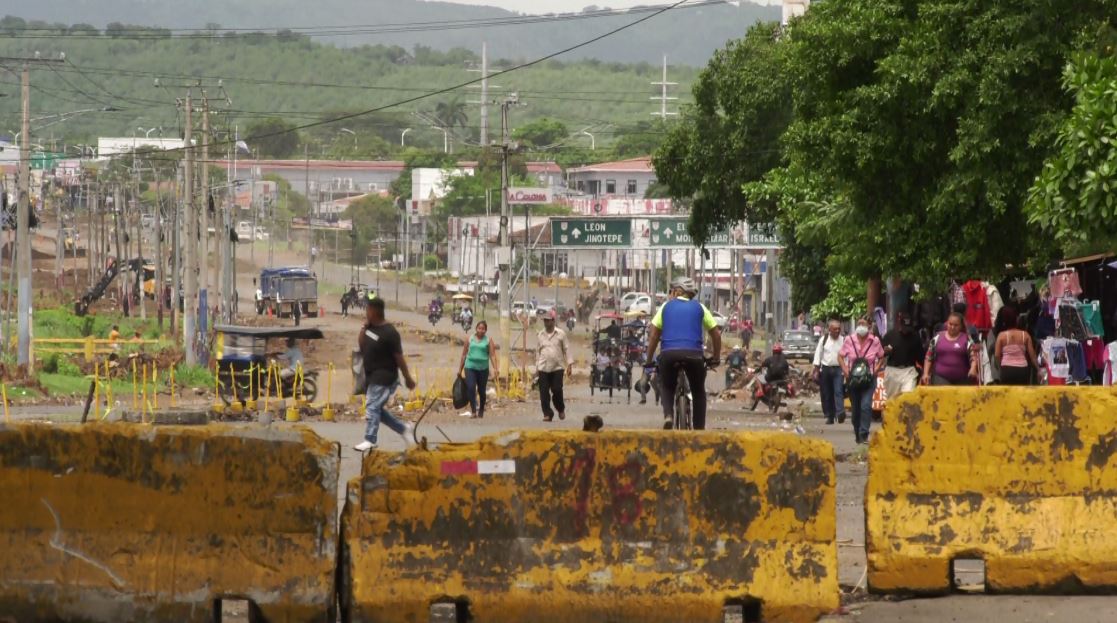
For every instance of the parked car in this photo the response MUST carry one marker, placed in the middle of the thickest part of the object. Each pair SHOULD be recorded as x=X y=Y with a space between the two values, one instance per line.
x=720 y=319
x=546 y=306
x=642 y=303
x=798 y=344
x=519 y=307
x=262 y=234
x=629 y=298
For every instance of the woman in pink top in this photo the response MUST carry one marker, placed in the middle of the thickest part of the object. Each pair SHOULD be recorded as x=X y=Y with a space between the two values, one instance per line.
x=861 y=345
x=1014 y=351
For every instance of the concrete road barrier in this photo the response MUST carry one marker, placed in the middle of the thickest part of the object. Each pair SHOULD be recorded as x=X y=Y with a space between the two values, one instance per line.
x=1024 y=479
x=117 y=522
x=614 y=526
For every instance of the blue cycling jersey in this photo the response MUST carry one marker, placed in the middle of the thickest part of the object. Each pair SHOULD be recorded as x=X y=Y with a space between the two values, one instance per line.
x=682 y=325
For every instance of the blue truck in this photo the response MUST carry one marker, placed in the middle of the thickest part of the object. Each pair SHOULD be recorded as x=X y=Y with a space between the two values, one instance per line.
x=281 y=289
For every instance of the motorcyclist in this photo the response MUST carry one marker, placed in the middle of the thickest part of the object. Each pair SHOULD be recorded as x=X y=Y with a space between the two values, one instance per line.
x=735 y=363
x=467 y=316
x=777 y=367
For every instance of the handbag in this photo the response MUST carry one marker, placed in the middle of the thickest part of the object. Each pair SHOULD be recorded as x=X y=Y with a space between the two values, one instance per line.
x=458 y=393
x=360 y=379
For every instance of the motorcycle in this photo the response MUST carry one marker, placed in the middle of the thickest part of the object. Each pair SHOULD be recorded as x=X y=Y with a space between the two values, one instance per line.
x=733 y=373
x=772 y=394
x=467 y=323
x=570 y=322
x=434 y=316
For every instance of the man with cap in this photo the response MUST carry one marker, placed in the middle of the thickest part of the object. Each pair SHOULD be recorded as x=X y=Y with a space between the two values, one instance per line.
x=552 y=357
x=904 y=350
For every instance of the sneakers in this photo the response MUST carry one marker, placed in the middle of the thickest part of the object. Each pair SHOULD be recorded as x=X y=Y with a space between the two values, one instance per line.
x=842 y=417
x=829 y=421
x=548 y=418
x=364 y=446
x=668 y=424
x=408 y=434
x=562 y=416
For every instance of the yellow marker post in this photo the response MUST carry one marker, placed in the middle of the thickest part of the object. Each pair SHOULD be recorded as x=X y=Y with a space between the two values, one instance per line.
x=328 y=410
x=293 y=410
x=135 y=390
x=154 y=389
x=4 y=389
x=267 y=388
x=143 y=407
x=172 y=386
x=234 y=406
x=218 y=406
x=96 y=390
x=108 y=392
x=250 y=399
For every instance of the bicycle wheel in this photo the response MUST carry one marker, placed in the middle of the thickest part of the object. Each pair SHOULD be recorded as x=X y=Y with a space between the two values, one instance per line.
x=684 y=417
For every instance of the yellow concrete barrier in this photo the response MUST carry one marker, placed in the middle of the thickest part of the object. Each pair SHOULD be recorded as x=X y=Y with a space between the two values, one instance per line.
x=614 y=526
x=113 y=522
x=1023 y=478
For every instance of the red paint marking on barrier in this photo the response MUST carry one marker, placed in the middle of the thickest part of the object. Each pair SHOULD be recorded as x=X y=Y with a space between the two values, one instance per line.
x=458 y=468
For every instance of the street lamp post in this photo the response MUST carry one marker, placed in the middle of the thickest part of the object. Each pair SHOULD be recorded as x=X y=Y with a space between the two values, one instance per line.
x=402 y=135
x=348 y=131
x=593 y=143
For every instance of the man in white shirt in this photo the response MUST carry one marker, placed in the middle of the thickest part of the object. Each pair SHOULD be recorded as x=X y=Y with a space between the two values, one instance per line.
x=828 y=371
x=552 y=357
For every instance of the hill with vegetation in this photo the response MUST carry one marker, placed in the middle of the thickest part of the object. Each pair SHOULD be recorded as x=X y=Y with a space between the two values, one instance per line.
x=121 y=86
x=688 y=34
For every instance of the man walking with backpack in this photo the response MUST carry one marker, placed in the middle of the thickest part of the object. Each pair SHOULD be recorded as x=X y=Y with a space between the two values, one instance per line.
x=861 y=358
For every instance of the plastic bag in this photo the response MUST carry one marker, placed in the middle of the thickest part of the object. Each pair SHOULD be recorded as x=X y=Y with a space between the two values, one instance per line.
x=458 y=393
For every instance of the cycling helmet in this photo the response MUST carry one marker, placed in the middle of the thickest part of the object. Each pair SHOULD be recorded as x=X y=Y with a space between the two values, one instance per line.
x=686 y=284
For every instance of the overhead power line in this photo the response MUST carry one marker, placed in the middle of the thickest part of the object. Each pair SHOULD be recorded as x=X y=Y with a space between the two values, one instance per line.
x=136 y=33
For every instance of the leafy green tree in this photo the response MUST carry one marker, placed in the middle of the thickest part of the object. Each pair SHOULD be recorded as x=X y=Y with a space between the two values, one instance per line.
x=920 y=120
x=449 y=114
x=272 y=137
x=640 y=139
x=372 y=217
x=1075 y=197
x=731 y=135
x=541 y=133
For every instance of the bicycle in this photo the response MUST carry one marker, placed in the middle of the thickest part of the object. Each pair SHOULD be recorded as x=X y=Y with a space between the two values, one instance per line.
x=684 y=398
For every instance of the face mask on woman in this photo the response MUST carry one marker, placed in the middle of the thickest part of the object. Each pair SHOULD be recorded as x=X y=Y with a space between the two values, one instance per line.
x=862 y=330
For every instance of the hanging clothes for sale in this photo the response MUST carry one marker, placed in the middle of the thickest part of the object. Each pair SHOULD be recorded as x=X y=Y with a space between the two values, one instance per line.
x=1091 y=317
x=1064 y=282
x=1109 y=374
x=1020 y=290
x=1070 y=323
x=956 y=294
x=993 y=295
x=1056 y=361
x=1094 y=350
x=977 y=305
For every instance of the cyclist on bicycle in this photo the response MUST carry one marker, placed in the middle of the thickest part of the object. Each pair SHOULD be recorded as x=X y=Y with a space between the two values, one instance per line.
x=680 y=324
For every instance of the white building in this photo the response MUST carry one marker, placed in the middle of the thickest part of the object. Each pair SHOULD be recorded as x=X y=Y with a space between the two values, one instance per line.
x=793 y=9
x=623 y=178
x=109 y=147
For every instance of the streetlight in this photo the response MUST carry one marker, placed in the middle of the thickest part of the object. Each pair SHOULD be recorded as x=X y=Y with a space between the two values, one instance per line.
x=402 y=135
x=348 y=131
x=593 y=143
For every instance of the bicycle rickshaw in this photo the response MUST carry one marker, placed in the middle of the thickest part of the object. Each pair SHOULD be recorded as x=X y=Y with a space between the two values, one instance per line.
x=611 y=369
x=243 y=362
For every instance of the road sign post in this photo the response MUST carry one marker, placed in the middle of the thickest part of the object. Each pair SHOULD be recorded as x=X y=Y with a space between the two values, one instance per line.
x=591 y=233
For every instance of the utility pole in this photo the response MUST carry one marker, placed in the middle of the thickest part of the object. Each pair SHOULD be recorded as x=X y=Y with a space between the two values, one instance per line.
x=190 y=288
x=23 y=216
x=484 y=101
x=662 y=97
x=505 y=238
x=309 y=206
x=207 y=266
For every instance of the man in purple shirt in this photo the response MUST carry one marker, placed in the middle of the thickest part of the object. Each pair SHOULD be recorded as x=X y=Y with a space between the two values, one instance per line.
x=861 y=358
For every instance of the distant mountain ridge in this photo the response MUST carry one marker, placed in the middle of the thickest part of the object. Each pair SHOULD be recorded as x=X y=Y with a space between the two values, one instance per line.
x=687 y=36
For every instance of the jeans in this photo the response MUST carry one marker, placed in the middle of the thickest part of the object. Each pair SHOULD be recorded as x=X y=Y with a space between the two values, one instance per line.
x=694 y=366
x=550 y=388
x=832 y=392
x=476 y=382
x=376 y=410
x=861 y=402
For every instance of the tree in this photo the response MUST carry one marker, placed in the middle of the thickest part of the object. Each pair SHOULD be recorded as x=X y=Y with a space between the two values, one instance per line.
x=640 y=139
x=920 y=120
x=373 y=216
x=542 y=133
x=272 y=137
x=449 y=114
x=1075 y=197
x=731 y=134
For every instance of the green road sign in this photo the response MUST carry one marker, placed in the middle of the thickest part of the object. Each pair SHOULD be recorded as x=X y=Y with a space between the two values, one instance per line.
x=763 y=235
x=673 y=233
x=577 y=232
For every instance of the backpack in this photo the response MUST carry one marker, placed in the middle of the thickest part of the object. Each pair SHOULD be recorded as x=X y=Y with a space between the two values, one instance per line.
x=861 y=374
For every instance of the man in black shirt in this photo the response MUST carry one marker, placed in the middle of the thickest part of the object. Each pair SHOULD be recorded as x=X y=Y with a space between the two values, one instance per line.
x=382 y=351
x=904 y=349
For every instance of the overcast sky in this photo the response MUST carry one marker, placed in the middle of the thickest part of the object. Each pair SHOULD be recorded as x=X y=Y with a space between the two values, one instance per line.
x=561 y=6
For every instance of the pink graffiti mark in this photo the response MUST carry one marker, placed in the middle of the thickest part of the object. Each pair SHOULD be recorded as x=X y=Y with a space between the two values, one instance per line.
x=585 y=461
x=622 y=485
